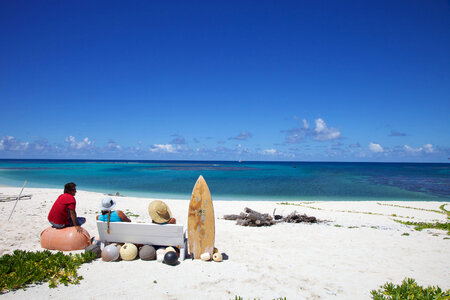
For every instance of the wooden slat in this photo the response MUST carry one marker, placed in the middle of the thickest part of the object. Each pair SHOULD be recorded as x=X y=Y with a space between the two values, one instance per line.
x=5 y=198
x=142 y=233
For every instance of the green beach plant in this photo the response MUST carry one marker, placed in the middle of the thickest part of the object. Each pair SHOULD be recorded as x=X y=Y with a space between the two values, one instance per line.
x=240 y=298
x=441 y=211
x=131 y=214
x=419 y=226
x=442 y=207
x=303 y=204
x=409 y=289
x=344 y=211
x=22 y=268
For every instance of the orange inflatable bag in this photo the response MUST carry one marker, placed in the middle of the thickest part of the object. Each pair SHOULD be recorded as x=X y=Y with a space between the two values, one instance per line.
x=66 y=239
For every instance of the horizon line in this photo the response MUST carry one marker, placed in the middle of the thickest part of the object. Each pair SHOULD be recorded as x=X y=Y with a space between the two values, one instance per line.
x=227 y=161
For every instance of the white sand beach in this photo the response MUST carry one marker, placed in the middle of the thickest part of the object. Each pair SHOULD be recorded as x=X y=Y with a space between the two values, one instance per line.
x=359 y=248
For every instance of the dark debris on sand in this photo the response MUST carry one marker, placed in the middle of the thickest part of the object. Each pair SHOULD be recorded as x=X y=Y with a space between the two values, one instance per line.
x=253 y=218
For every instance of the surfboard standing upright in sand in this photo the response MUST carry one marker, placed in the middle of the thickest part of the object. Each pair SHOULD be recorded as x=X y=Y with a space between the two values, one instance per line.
x=201 y=227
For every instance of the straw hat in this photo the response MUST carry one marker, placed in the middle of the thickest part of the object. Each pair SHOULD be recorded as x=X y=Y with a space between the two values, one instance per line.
x=159 y=212
x=107 y=203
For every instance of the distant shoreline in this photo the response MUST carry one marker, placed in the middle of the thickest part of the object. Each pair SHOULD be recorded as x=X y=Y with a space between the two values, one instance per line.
x=212 y=161
x=234 y=199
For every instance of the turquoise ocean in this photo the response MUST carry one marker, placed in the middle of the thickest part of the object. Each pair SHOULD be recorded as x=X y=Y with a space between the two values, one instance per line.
x=271 y=181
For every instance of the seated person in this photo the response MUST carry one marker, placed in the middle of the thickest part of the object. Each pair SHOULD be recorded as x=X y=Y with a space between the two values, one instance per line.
x=62 y=213
x=108 y=214
x=160 y=213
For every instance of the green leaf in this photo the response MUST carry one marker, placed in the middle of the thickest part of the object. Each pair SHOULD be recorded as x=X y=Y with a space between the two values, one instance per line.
x=25 y=267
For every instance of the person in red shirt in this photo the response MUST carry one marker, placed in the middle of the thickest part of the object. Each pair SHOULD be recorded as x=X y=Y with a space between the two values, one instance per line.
x=62 y=214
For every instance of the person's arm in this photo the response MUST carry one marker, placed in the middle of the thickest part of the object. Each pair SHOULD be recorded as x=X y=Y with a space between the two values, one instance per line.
x=73 y=216
x=171 y=221
x=123 y=216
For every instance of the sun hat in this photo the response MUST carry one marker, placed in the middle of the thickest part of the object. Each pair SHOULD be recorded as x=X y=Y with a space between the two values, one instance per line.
x=107 y=203
x=159 y=212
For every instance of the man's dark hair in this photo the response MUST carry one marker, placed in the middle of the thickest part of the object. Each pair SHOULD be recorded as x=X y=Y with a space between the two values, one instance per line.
x=69 y=187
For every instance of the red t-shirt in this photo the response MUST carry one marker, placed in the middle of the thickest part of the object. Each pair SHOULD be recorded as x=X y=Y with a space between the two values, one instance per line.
x=59 y=214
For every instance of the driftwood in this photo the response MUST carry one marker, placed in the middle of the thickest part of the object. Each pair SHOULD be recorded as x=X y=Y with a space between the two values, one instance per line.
x=6 y=198
x=253 y=218
x=296 y=218
x=117 y=194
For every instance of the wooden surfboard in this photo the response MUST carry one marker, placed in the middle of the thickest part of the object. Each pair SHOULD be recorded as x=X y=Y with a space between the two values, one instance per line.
x=201 y=227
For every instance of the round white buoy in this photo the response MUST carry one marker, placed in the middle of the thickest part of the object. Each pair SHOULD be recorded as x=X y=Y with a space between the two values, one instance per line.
x=168 y=249
x=110 y=253
x=128 y=251
x=205 y=256
x=160 y=254
x=217 y=257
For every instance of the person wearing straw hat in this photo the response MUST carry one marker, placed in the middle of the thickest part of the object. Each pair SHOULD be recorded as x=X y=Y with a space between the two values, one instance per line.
x=160 y=213
x=108 y=214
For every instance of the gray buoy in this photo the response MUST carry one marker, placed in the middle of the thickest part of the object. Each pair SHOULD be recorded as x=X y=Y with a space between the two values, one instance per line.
x=110 y=253
x=147 y=252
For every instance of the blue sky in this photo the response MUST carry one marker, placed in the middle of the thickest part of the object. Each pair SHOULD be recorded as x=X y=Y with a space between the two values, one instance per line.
x=228 y=80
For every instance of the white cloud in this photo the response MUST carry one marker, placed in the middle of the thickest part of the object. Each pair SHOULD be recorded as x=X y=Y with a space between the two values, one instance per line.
x=113 y=145
x=73 y=144
x=162 y=148
x=40 y=146
x=323 y=133
x=411 y=149
x=2 y=144
x=375 y=148
x=305 y=124
x=428 y=148
x=320 y=125
x=10 y=143
x=269 y=152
